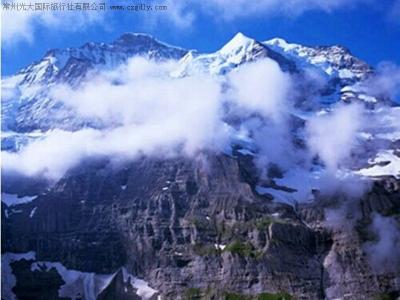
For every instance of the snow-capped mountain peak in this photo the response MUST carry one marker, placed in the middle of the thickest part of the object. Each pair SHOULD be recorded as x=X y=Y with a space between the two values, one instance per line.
x=238 y=44
x=142 y=41
x=28 y=88
x=72 y=63
x=134 y=37
x=240 y=49
x=334 y=61
x=70 y=66
x=279 y=42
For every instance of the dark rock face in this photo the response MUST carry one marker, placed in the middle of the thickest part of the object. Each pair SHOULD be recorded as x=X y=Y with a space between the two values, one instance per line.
x=259 y=50
x=35 y=285
x=346 y=267
x=194 y=227
x=118 y=289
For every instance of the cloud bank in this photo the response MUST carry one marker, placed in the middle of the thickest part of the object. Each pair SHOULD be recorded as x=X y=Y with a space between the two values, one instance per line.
x=383 y=253
x=17 y=26
x=144 y=111
x=333 y=136
x=385 y=82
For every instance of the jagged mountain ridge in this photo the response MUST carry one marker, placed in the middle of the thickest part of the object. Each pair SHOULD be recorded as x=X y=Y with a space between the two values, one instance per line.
x=72 y=64
x=240 y=49
x=66 y=64
x=31 y=112
x=30 y=86
x=331 y=59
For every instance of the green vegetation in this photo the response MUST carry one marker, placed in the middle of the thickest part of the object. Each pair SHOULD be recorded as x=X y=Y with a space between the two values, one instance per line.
x=264 y=223
x=212 y=293
x=262 y=296
x=277 y=296
x=200 y=224
x=205 y=250
x=236 y=232
x=235 y=296
x=243 y=249
x=391 y=212
x=193 y=293
x=229 y=231
x=391 y=296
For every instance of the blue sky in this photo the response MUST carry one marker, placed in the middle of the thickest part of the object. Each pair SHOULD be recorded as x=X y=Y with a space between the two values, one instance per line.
x=369 y=28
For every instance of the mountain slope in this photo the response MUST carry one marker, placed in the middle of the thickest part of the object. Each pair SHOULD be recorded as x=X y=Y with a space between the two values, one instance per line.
x=333 y=60
x=29 y=107
x=238 y=221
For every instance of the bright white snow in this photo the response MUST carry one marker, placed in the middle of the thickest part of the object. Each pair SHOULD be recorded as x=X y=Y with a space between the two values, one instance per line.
x=12 y=199
x=385 y=163
x=143 y=288
x=76 y=281
x=77 y=284
x=91 y=284
x=32 y=212
x=220 y=247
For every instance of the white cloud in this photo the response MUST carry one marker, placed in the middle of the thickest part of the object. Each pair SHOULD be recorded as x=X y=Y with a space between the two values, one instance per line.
x=383 y=253
x=42 y=157
x=17 y=26
x=178 y=13
x=333 y=136
x=385 y=82
x=145 y=111
x=261 y=87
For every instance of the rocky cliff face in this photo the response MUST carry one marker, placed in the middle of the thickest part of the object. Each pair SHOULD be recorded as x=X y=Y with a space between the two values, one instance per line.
x=348 y=271
x=195 y=229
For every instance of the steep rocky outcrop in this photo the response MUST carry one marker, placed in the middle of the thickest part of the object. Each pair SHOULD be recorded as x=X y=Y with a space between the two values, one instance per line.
x=195 y=227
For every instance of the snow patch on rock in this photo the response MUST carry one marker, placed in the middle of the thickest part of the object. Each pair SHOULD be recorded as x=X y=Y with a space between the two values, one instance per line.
x=8 y=279
x=13 y=199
